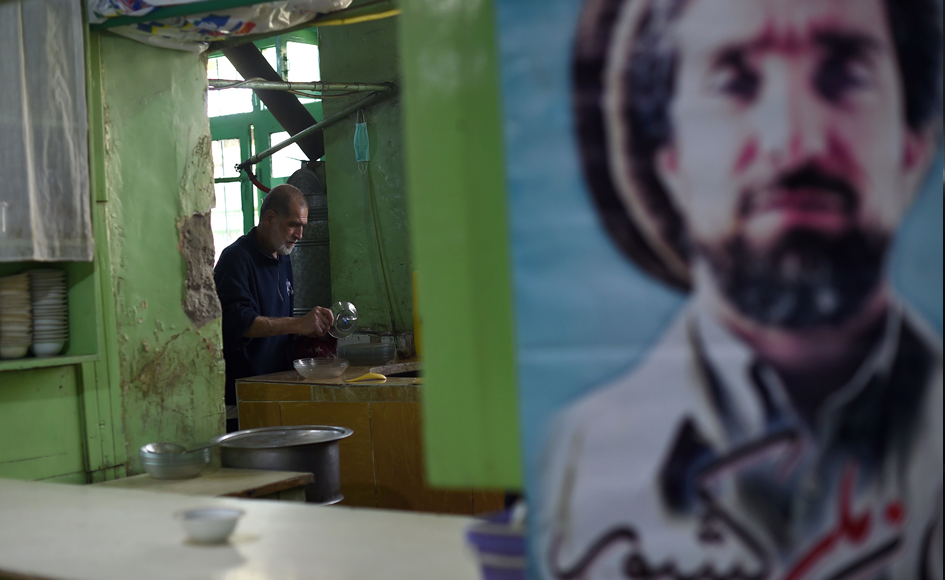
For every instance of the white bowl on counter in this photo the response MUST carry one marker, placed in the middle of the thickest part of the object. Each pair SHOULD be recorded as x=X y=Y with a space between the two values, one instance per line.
x=209 y=525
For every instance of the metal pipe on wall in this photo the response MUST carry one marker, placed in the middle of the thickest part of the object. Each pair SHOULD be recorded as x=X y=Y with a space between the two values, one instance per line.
x=316 y=128
x=285 y=107
x=217 y=84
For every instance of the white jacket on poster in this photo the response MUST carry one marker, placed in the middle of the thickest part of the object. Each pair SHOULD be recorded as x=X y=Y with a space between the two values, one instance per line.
x=694 y=466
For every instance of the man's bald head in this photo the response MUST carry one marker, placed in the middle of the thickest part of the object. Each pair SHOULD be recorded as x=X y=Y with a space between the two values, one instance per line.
x=282 y=200
x=282 y=217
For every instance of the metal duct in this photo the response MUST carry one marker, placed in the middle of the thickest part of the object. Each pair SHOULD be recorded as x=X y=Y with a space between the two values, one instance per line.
x=285 y=107
x=311 y=264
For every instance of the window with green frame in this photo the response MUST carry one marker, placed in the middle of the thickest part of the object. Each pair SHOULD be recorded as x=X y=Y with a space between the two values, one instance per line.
x=240 y=126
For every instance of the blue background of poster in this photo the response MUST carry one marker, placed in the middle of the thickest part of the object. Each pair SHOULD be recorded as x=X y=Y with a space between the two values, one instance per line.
x=584 y=314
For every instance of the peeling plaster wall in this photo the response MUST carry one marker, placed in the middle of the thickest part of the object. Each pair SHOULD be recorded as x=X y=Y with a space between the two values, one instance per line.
x=367 y=52
x=159 y=176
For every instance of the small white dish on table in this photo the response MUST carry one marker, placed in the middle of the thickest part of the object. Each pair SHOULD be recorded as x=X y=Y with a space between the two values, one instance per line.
x=209 y=525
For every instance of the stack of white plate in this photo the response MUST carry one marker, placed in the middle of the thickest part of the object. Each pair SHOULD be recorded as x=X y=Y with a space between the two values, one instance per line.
x=50 y=311
x=15 y=316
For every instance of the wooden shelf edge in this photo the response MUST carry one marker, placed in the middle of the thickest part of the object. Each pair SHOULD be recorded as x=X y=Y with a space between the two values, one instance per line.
x=36 y=363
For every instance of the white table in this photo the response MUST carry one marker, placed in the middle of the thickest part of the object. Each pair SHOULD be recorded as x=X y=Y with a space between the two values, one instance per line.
x=58 y=531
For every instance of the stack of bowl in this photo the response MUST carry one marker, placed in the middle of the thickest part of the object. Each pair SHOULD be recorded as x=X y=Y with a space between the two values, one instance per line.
x=15 y=316
x=366 y=354
x=50 y=311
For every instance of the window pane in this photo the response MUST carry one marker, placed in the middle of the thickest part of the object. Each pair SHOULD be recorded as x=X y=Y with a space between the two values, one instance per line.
x=288 y=160
x=270 y=55
x=233 y=197
x=226 y=154
x=303 y=62
x=229 y=102
x=226 y=101
x=213 y=68
x=226 y=218
x=220 y=67
x=217 y=223
x=234 y=222
x=218 y=190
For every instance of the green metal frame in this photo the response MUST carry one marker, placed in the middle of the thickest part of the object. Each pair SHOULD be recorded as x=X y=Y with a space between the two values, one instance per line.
x=243 y=132
x=101 y=391
x=459 y=232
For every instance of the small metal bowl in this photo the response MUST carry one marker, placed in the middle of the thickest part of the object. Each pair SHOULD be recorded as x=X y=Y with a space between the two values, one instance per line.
x=163 y=461
x=320 y=368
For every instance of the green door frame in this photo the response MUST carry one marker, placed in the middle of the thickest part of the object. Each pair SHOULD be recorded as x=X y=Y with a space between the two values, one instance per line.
x=100 y=380
x=244 y=134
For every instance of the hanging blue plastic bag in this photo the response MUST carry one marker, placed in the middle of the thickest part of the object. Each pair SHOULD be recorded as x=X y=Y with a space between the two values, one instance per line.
x=362 y=144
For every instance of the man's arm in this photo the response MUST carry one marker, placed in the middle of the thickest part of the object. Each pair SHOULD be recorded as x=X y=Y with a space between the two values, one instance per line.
x=265 y=326
x=315 y=323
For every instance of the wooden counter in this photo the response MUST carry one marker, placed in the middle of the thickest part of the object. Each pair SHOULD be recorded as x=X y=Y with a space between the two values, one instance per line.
x=382 y=462
x=64 y=532
x=223 y=482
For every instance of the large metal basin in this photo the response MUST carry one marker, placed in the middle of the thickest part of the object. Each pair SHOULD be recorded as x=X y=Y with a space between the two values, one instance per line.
x=307 y=448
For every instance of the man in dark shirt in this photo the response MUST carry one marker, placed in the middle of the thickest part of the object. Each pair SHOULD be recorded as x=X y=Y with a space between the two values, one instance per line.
x=255 y=285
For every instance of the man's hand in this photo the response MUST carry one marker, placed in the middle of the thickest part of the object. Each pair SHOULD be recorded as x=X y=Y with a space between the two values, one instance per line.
x=317 y=322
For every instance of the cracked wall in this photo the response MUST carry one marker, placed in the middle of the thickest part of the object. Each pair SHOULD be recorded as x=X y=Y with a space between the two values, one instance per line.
x=159 y=180
x=201 y=303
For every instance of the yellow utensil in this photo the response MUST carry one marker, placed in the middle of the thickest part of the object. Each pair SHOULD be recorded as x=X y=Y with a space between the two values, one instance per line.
x=368 y=377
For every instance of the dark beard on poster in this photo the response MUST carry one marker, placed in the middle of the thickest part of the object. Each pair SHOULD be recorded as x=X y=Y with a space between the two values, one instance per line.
x=807 y=280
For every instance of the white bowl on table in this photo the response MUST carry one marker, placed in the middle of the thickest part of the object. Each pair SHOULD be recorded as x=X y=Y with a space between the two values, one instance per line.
x=209 y=525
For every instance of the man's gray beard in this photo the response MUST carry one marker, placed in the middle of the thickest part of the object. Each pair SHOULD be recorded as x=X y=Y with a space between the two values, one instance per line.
x=284 y=250
x=807 y=280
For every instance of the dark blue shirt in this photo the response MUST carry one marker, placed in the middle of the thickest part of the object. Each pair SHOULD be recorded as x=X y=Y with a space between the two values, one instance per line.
x=252 y=283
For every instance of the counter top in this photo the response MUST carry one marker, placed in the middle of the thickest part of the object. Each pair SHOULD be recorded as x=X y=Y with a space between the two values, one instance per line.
x=219 y=482
x=55 y=531
x=290 y=386
x=293 y=377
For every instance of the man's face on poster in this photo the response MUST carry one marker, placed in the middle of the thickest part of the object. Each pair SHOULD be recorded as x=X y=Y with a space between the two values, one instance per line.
x=791 y=161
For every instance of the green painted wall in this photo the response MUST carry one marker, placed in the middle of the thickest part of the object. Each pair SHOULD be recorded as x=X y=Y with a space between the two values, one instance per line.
x=40 y=424
x=367 y=52
x=159 y=173
x=145 y=371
